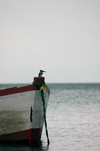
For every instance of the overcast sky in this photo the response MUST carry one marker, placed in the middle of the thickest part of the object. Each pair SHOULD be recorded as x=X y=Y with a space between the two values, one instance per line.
x=59 y=36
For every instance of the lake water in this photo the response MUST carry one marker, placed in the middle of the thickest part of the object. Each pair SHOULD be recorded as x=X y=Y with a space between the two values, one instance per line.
x=73 y=119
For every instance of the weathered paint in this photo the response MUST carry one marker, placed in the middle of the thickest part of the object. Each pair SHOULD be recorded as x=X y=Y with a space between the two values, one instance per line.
x=11 y=121
x=15 y=110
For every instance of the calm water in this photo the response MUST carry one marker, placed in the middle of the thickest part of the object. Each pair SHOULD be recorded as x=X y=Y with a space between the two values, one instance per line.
x=73 y=118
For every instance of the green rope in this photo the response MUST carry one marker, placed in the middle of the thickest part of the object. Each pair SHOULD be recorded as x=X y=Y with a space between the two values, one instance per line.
x=44 y=110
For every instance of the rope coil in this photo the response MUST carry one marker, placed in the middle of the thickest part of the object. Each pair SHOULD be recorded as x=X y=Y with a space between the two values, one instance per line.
x=42 y=90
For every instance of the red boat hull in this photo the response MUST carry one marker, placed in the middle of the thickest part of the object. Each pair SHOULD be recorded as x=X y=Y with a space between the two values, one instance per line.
x=30 y=136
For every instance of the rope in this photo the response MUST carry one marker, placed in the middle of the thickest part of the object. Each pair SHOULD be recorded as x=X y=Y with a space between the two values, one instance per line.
x=42 y=90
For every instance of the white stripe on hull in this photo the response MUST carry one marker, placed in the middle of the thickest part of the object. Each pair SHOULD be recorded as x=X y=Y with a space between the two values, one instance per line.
x=15 y=111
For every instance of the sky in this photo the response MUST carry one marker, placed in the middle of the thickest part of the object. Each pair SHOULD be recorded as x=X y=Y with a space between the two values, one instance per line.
x=61 y=37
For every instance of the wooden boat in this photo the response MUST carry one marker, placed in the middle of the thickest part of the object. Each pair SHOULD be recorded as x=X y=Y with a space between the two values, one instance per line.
x=21 y=112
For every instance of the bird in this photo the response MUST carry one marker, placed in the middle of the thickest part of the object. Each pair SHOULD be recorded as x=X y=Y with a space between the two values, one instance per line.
x=41 y=73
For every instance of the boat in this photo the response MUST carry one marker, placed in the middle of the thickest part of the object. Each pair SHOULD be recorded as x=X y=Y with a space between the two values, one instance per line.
x=22 y=113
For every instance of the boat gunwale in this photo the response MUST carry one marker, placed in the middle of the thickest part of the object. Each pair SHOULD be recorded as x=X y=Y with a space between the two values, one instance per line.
x=14 y=90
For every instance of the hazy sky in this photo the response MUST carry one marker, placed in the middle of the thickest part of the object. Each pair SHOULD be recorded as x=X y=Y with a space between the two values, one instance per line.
x=59 y=36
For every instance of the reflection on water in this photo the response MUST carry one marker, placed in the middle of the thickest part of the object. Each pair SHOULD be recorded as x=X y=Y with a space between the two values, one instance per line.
x=24 y=147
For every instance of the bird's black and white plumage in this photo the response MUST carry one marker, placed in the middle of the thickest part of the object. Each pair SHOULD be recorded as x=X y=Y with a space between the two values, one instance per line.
x=41 y=73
